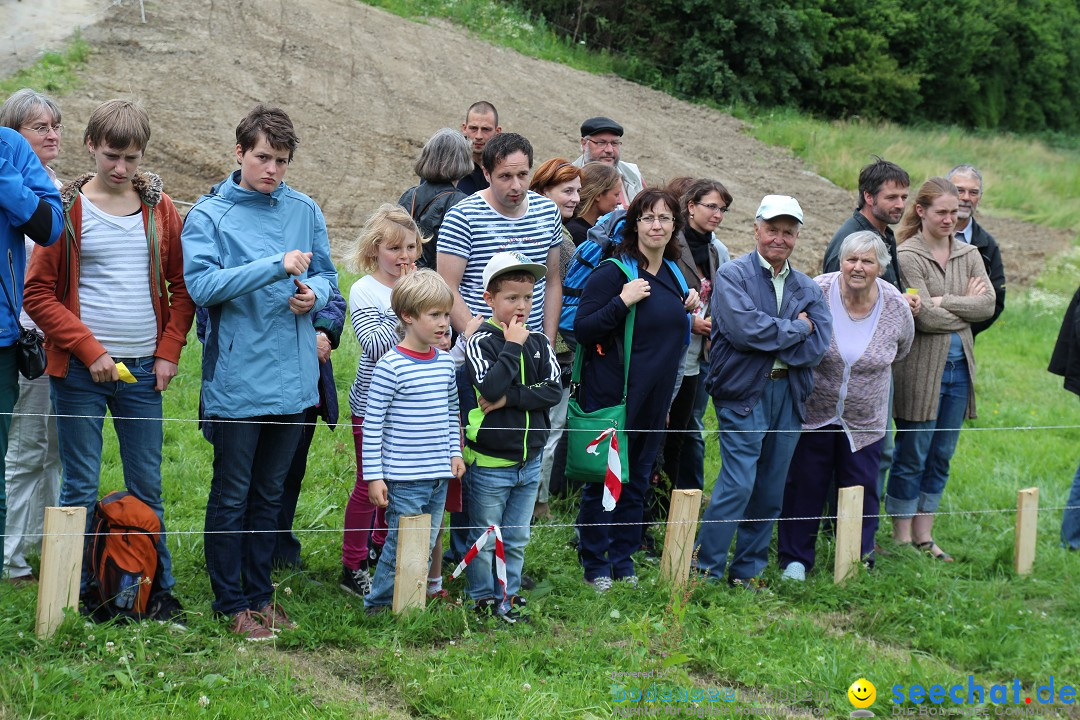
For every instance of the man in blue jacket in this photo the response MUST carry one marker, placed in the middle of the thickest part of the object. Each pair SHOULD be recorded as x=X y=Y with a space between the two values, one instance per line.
x=257 y=256
x=29 y=206
x=771 y=327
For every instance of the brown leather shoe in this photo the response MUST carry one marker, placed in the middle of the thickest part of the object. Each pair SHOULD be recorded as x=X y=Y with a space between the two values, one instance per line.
x=249 y=625
x=275 y=619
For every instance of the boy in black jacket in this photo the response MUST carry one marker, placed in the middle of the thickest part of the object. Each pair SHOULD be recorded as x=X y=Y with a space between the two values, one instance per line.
x=517 y=379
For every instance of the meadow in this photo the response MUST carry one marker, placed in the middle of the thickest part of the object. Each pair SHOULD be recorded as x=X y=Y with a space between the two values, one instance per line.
x=910 y=621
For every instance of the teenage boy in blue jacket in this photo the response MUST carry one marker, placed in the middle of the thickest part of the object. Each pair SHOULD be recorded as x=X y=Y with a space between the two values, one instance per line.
x=256 y=254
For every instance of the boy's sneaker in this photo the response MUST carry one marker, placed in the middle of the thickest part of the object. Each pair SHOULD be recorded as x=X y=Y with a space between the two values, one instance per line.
x=794 y=571
x=358 y=581
x=601 y=584
x=489 y=607
x=517 y=612
x=164 y=607
x=275 y=619
x=248 y=624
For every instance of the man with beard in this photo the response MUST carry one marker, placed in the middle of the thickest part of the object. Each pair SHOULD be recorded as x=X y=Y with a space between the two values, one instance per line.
x=968 y=182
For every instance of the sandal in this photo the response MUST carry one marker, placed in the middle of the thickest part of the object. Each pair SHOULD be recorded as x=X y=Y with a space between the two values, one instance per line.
x=929 y=546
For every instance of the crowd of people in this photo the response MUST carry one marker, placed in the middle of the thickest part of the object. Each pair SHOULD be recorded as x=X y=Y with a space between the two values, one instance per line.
x=460 y=399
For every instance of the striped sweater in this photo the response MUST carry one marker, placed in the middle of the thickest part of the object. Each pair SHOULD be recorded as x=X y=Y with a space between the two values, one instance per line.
x=411 y=428
x=917 y=378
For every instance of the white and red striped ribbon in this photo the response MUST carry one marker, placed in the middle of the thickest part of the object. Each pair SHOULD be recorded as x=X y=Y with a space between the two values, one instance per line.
x=613 y=474
x=500 y=555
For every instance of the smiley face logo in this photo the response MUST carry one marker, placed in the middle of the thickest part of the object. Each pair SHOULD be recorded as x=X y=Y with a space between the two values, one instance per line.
x=862 y=693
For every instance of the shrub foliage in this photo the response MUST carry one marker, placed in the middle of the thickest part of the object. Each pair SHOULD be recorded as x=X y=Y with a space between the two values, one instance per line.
x=995 y=64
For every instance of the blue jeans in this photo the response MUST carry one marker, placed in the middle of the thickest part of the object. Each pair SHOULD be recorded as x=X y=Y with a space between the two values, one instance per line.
x=287 y=545
x=416 y=497
x=80 y=405
x=924 y=449
x=1070 y=524
x=753 y=470
x=505 y=497
x=9 y=394
x=251 y=458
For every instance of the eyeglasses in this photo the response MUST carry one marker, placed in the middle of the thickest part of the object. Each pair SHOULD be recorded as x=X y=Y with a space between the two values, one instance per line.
x=712 y=207
x=616 y=144
x=43 y=129
x=650 y=219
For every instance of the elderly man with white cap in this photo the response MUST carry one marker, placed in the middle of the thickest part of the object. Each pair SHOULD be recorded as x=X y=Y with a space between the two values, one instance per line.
x=771 y=327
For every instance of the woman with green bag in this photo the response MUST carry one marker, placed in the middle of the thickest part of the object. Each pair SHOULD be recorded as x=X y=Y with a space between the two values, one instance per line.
x=658 y=334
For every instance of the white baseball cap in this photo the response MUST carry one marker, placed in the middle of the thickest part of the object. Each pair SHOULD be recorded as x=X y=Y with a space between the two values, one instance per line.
x=504 y=262
x=776 y=205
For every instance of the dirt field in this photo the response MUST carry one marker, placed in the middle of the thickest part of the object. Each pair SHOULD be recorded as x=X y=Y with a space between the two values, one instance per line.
x=366 y=88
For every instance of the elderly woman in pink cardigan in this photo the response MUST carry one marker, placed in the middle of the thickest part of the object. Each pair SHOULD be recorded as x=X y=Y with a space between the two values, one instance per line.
x=846 y=415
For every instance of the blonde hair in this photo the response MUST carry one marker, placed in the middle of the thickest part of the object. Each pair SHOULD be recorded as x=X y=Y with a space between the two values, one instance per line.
x=388 y=223
x=596 y=179
x=419 y=292
x=118 y=124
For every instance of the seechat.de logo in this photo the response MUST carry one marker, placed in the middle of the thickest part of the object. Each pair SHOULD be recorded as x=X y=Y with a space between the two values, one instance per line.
x=862 y=694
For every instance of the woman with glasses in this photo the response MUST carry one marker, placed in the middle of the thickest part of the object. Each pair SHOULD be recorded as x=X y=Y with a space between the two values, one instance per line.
x=601 y=186
x=660 y=331
x=32 y=463
x=934 y=386
x=704 y=203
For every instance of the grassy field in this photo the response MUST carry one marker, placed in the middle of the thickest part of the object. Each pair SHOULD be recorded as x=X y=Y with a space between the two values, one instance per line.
x=911 y=621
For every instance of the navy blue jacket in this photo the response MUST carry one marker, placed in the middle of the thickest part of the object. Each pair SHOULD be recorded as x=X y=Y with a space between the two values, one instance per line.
x=748 y=335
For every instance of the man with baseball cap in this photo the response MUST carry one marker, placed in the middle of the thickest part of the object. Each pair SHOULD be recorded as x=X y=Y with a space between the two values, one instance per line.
x=771 y=327
x=601 y=141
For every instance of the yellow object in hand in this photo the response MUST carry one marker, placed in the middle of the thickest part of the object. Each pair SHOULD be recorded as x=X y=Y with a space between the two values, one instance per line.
x=913 y=291
x=124 y=373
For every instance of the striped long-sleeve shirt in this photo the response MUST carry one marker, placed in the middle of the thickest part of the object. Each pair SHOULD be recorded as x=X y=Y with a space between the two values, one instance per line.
x=411 y=428
x=375 y=325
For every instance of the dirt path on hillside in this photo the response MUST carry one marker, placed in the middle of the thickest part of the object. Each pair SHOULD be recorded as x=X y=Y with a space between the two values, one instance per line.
x=366 y=88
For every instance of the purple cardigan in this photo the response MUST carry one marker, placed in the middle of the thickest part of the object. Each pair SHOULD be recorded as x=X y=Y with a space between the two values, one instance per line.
x=866 y=404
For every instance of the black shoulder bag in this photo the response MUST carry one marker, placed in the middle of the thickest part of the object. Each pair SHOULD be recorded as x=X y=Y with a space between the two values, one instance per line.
x=30 y=347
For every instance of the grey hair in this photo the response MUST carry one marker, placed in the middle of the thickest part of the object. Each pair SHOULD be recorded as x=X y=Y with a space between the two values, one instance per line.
x=446 y=157
x=966 y=170
x=860 y=242
x=23 y=105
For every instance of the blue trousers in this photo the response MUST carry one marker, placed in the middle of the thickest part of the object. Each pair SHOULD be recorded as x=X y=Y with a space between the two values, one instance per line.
x=251 y=459
x=749 y=492
x=415 y=497
x=9 y=393
x=1070 y=523
x=924 y=449
x=136 y=409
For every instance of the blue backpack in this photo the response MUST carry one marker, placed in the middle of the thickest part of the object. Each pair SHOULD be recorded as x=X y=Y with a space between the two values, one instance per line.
x=598 y=246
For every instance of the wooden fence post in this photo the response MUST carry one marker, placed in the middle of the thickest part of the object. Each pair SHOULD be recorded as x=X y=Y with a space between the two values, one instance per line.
x=413 y=560
x=1027 y=521
x=61 y=566
x=849 y=520
x=679 y=538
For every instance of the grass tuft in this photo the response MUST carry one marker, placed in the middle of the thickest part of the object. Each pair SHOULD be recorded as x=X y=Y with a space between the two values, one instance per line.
x=55 y=73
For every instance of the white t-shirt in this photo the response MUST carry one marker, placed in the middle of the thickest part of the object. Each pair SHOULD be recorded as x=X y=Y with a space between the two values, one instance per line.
x=114 y=282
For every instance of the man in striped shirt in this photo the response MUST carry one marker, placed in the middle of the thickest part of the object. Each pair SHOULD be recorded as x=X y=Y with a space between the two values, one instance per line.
x=505 y=217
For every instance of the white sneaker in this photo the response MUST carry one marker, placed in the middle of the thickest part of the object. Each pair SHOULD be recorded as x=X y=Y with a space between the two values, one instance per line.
x=794 y=571
x=601 y=584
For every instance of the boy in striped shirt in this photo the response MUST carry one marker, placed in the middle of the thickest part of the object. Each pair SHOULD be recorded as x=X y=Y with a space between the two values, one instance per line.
x=412 y=437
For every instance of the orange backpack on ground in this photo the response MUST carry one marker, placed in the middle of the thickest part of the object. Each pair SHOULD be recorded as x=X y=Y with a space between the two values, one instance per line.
x=122 y=556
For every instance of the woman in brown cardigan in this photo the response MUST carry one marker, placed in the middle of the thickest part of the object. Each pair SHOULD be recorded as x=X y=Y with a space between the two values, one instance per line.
x=934 y=384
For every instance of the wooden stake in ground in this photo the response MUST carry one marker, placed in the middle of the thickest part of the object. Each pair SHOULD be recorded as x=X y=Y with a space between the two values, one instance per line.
x=679 y=538
x=1027 y=521
x=61 y=566
x=413 y=559
x=849 y=520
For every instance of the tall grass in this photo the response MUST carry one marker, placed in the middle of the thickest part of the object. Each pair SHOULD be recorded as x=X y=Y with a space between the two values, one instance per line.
x=1025 y=178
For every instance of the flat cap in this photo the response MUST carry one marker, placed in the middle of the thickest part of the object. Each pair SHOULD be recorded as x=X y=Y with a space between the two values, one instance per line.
x=600 y=124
